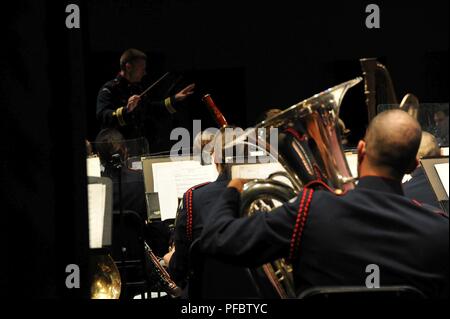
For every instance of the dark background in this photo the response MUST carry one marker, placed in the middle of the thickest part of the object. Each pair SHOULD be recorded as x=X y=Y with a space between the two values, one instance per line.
x=250 y=56
x=254 y=56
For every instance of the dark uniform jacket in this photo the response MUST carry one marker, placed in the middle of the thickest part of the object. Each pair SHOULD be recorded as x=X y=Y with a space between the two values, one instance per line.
x=133 y=191
x=419 y=188
x=201 y=198
x=134 y=203
x=150 y=119
x=332 y=239
x=219 y=279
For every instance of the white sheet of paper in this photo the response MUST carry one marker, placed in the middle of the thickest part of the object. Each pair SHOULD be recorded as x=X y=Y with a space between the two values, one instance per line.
x=93 y=166
x=444 y=151
x=172 y=179
x=259 y=171
x=136 y=165
x=442 y=170
x=96 y=208
x=406 y=178
x=352 y=161
x=252 y=171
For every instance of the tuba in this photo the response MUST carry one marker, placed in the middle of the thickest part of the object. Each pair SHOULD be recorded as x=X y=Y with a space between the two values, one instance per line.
x=105 y=282
x=379 y=89
x=310 y=150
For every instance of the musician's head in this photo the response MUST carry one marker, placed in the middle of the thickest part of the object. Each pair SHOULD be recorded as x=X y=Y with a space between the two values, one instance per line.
x=267 y=114
x=390 y=146
x=203 y=144
x=440 y=118
x=133 y=64
x=108 y=143
x=224 y=150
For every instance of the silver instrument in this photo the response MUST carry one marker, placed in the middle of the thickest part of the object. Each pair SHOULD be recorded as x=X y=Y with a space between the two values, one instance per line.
x=310 y=149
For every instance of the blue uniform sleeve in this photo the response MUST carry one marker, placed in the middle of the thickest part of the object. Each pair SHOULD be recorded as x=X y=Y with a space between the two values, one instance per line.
x=248 y=241
x=109 y=114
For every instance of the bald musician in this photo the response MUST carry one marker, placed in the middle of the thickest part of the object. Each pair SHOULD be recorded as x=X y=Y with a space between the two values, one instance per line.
x=331 y=239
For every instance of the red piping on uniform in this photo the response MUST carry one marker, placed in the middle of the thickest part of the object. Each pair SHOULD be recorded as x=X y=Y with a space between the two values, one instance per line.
x=297 y=223
x=305 y=215
x=189 y=210
x=296 y=134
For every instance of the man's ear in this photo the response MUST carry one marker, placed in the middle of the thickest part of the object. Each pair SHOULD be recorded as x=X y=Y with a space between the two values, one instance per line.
x=413 y=166
x=361 y=154
x=361 y=148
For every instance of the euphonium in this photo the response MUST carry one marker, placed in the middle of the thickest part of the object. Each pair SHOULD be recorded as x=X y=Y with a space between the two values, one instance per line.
x=106 y=282
x=310 y=149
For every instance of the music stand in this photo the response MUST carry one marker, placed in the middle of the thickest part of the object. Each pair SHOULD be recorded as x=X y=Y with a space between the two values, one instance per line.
x=429 y=166
x=153 y=208
x=107 y=213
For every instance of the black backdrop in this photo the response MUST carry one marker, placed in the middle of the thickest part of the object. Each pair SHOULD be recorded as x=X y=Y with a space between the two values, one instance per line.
x=249 y=55
x=281 y=51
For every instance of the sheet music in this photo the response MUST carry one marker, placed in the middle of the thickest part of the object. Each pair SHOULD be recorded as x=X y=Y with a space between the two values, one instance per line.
x=442 y=170
x=136 y=165
x=252 y=171
x=96 y=208
x=259 y=171
x=93 y=166
x=172 y=179
x=406 y=178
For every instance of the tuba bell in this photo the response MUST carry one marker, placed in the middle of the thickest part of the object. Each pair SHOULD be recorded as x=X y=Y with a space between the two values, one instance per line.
x=310 y=150
x=105 y=282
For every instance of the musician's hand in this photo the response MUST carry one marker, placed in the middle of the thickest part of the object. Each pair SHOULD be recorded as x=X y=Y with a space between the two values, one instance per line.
x=238 y=183
x=184 y=93
x=167 y=257
x=133 y=101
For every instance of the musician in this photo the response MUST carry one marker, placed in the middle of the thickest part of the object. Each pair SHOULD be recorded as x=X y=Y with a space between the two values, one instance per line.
x=121 y=106
x=108 y=143
x=418 y=187
x=196 y=202
x=441 y=130
x=223 y=280
x=267 y=114
x=331 y=239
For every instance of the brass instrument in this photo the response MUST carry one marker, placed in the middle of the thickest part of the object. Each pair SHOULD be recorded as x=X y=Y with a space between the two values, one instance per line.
x=159 y=275
x=379 y=89
x=310 y=149
x=262 y=196
x=410 y=104
x=106 y=283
